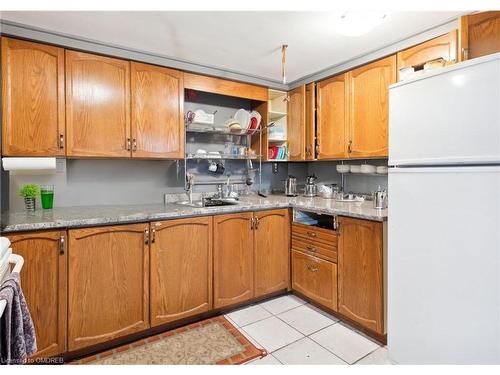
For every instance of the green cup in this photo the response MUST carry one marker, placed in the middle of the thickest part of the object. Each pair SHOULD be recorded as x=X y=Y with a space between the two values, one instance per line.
x=47 y=195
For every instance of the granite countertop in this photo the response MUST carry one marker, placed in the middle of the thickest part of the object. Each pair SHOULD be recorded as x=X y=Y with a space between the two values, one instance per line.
x=73 y=217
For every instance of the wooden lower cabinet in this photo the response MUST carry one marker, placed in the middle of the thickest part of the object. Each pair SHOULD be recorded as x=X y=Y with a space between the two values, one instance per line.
x=43 y=279
x=108 y=283
x=271 y=251
x=181 y=269
x=360 y=260
x=315 y=278
x=233 y=259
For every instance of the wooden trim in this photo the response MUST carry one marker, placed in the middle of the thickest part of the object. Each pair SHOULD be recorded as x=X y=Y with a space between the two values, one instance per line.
x=297 y=123
x=225 y=87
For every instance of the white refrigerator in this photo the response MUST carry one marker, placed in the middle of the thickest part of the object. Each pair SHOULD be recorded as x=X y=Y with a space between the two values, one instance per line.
x=443 y=303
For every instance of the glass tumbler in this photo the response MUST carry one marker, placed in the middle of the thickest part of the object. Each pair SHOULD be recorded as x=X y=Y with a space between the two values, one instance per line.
x=47 y=195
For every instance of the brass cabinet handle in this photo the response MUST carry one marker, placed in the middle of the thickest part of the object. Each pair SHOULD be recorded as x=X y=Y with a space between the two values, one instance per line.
x=62 y=241
x=349 y=147
x=311 y=248
x=128 y=144
x=134 y=147
x=146 y=236
x=257 y=221
x=311 y=234
x=312 y=268
x=153 y=235
x=61 y=141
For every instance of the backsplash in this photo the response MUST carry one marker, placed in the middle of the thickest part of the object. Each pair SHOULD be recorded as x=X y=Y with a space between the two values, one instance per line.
x=101 y=182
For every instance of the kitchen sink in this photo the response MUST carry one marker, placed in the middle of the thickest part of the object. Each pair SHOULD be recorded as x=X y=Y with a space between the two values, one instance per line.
x=210 y=202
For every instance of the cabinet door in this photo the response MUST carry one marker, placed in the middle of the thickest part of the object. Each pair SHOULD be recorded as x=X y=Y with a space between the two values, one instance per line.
x=181 y=269
x=315 y=278
x=157 y=112
x=108 y=283
x=296 y=120
x=332 y=114
x=233 y=259
x=272 y=251
x=444 y=46
x=360 y=261
x=33 y=99
x=369 y=108
x=43 y=278
x=479 y=35
x=97 y=105
x=310 y=121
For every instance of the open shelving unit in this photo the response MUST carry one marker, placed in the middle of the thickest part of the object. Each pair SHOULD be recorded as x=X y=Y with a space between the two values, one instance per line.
x=277 y=113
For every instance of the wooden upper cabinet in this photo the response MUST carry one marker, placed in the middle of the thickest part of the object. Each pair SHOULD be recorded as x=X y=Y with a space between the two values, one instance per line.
x=296 y=122
x=181 y=269
x=108 y=283
x=157 y=96
x=33 y=99
x=360 y=272
x=369 y=108
x=43 y=279
x=479 y=35
x=310 y=121
x=233 y=259
x=97 y=106
x=444 y=46
x=272 y=251
x=332 y=116
x=225 y=87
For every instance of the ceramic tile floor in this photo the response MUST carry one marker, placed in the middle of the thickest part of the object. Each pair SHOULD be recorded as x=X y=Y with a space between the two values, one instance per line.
x=297 y=333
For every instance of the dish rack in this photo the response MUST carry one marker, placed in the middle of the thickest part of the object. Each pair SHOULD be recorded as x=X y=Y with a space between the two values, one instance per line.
x=6 y=260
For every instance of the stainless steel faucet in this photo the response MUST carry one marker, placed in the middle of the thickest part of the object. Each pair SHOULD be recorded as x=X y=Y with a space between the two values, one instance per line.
x=190 y=178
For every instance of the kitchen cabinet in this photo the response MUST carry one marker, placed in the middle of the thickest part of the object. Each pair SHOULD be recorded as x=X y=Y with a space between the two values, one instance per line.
x=233 y=258
x=296 y=123
x=157 y=96
x=479 y=34
x=33 y=99
x=108 y=283
x=43 y=279
x=97 y=106
x=271 y=251
x=310 y=122
x=315 y=278
x=225 y=87
x=360 y=272
x=369 y=108
x=444 y=46
x=181 y=269
x=319 y=242
x=332 y=116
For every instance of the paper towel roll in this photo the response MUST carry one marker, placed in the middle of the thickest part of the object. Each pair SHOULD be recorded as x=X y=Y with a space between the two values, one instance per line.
x=30 y=165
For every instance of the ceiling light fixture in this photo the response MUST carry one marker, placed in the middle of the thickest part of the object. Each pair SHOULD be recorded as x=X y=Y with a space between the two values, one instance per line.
x=358 y=23
x=283 y=62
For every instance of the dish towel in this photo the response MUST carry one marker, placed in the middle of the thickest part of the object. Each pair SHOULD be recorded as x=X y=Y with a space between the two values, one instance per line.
x=18 y=340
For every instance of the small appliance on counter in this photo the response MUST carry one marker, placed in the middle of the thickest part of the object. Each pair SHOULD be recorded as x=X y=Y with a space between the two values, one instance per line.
x=380 y=198
x=310 y=189
x=291 y=186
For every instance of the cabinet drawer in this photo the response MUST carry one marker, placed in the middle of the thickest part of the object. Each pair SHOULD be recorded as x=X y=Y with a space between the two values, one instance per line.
x=315 y=278
x=314 y=233
x=315 y=248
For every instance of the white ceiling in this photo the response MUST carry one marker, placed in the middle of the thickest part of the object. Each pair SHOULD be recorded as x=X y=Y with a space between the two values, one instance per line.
x=243 y=42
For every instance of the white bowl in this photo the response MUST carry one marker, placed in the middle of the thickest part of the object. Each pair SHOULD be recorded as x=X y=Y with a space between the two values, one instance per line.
x=382 y=169
x=368 y=168
x=355 y=168
x=343 y=168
